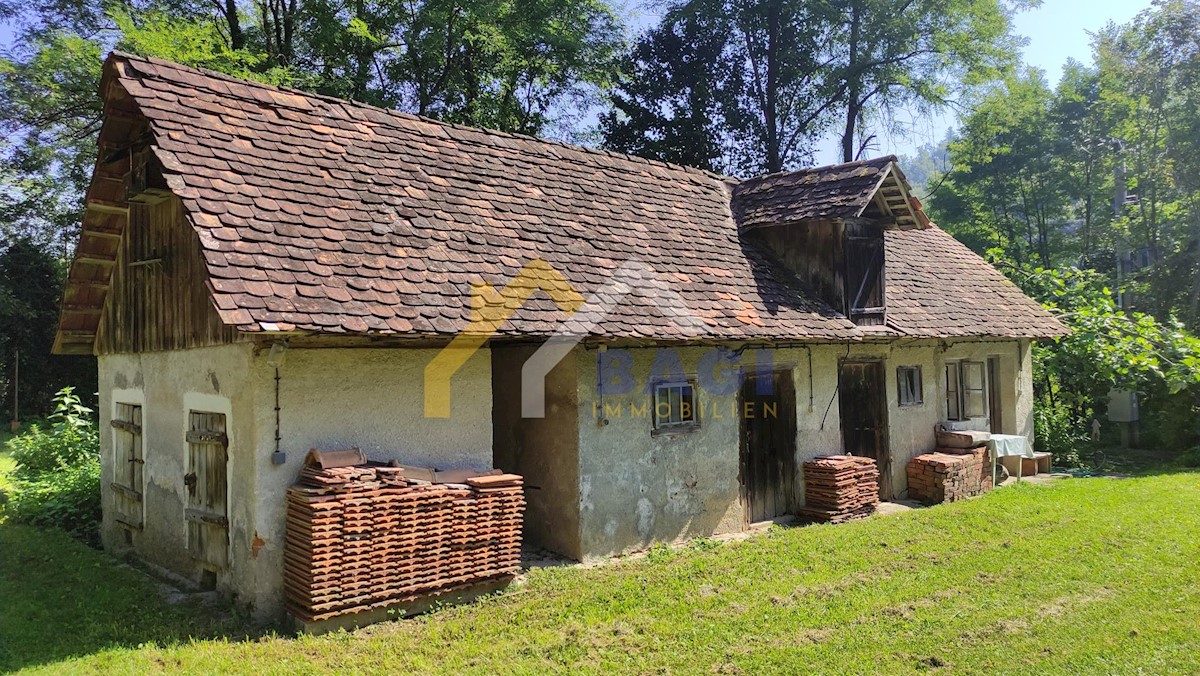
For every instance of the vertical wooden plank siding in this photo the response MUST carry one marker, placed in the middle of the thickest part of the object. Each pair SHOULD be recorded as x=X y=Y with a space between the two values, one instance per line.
x=207 y=513
x=158 y=299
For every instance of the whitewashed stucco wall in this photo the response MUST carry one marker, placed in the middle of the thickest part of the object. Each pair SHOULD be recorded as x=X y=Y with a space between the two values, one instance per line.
x=368 y=398
x=168 y=385
x=637 y=488
x=330 y=398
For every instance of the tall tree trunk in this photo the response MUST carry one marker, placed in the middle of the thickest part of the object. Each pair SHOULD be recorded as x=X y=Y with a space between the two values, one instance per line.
x=854 y=85
x=237 y=39
x=771 y=114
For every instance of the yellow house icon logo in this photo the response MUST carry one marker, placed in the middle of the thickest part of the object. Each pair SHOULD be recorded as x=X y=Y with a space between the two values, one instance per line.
x=489 y=310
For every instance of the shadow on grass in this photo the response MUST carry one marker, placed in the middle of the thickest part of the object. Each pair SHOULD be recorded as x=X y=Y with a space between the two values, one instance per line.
x=60 y=599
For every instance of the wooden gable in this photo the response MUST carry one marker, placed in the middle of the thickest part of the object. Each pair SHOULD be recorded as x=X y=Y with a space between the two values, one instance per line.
x=137 y=282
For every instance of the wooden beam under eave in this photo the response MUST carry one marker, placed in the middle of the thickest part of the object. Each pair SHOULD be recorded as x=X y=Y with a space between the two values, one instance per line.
x=106 y=207
x=73 y=348
x=81 y=309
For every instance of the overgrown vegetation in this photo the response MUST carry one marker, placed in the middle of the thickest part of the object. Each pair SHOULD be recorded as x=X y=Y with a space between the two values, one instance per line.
x=55 y=482
x=1107 y=349
x=1084 y=576
x=1086 y=194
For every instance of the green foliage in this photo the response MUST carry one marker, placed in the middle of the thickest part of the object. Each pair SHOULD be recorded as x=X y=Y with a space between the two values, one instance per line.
x=1058 y=431
x=68 y=499
x=751 y=87
x=31 y=282
x=57 y=475
x=193 y=41
x=1108 y=349
x=1100 y=171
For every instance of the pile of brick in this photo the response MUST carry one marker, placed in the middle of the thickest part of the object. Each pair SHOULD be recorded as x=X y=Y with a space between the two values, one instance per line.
x=949 y=474
x=839 y=488
x=367 y=536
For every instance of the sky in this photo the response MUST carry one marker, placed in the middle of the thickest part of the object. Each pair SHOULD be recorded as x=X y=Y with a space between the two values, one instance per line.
x=1056 y=31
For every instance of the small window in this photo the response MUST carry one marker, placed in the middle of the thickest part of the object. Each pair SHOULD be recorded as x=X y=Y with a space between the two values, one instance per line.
x=675 y=406
x=908 y=380
x=974 y=398
x=966 y=390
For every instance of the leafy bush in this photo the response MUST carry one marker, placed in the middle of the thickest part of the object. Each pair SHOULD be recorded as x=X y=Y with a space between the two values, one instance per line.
x=69 y=438
x=68 y=499
x=1056 y=429
x=57 y=477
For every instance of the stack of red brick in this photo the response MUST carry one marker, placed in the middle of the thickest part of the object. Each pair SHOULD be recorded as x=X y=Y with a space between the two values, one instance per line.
x=949 y=474
x=839 y=488
x=365 y=537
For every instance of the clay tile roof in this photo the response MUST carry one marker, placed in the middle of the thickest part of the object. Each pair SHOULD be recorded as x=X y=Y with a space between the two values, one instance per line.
x=937 y=287
x=331 y=217
x=836 y=191
x=383 y=220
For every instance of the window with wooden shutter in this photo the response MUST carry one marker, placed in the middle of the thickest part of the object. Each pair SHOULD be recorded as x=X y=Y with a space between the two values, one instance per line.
x=864 y=253
x=127 y=485
x=207 y=511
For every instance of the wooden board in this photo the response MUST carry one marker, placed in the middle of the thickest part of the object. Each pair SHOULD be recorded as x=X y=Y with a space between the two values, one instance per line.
x=207 y=512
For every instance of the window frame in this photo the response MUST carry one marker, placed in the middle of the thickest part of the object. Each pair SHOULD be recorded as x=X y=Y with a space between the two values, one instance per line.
x=669 y=426
x=959 y=400
x=918 y=398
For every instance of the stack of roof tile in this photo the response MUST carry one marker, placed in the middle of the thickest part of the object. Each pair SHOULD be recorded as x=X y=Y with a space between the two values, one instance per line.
x=365 y=537
x=839 y=488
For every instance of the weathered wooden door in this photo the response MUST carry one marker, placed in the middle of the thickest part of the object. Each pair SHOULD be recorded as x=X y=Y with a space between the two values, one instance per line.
x=207 y=511
x=126 y=485
x=863 y=403
x=767 y=404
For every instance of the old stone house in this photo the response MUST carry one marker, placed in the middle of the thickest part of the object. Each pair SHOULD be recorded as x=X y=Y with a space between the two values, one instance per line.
x=262 y=272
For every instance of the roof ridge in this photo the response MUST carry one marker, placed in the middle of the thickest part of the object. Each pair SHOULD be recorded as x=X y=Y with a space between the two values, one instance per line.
x=413 y=116
x=826 y=167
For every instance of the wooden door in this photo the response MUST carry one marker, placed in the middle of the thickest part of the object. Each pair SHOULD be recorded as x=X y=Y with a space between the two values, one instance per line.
x=862 y=397
x=127 y=483
x=767 y=403
x=207 y=512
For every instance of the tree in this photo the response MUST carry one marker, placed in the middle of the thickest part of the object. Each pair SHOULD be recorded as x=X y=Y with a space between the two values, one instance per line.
x=758 y=70
x=912 y=53
x=31 y=284
x=781 y=73
x=668 y=103
x=1005 y=187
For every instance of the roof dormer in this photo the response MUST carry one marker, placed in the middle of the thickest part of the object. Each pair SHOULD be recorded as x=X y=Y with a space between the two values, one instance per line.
x=827 y=226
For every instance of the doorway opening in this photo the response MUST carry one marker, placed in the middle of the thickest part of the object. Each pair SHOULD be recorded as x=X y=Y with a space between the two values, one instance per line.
x=862 y=393
x=767 y=402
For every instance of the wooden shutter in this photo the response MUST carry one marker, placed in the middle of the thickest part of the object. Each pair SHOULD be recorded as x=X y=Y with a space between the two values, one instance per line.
x=128 y=460
x=207 y=513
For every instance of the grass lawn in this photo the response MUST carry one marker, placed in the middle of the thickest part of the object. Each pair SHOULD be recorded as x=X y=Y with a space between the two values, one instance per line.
x=1085 y=576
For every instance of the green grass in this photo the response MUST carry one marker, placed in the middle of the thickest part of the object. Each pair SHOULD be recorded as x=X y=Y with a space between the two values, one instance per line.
x=6 y=467
x=1084 y=576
